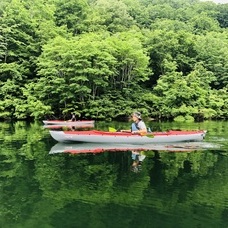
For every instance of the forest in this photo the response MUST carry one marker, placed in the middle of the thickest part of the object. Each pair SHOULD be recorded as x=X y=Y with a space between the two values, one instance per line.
x=104 y=58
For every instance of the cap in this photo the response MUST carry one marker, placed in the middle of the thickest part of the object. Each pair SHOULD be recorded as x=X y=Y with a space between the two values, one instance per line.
x=137 y=114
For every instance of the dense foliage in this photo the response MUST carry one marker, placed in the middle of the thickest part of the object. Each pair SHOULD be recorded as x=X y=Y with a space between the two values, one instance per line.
x=104 y=58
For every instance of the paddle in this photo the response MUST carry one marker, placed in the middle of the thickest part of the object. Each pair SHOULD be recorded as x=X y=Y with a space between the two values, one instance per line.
x=111 y=129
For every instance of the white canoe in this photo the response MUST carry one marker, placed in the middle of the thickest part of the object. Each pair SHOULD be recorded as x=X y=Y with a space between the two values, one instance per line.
x=95 y=136
x=70 y=123
x=69 y=127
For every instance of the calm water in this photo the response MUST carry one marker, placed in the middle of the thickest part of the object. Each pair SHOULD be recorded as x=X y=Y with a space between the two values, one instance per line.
x=110 y=189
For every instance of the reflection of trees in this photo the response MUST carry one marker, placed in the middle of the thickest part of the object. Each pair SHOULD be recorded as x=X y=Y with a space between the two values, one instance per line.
x=17 y=177
x=200 y=187
x=175 y=165
x=88 y=178
x=38 y=188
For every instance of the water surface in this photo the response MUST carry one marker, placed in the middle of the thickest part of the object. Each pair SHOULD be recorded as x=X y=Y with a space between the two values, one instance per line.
x=152 y=188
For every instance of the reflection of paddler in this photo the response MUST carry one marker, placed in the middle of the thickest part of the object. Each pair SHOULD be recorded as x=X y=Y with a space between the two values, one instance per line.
x=137 y=157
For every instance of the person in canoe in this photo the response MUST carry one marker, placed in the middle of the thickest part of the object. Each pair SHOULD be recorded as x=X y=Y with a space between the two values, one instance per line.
x=138 y=126
x=73 y=117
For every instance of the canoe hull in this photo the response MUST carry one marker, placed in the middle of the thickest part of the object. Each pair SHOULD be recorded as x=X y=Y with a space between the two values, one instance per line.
x=68 y=126
x=78 y=123
x=119 y=137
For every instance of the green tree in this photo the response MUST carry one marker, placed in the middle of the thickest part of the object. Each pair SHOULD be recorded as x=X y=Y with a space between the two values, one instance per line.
x=71 y=14
x=109 y=15
x=212 y=50
x=74 y=73
x=163 y=46
x=222 y=16
x=203 y=23
x=22 y=34
x=183 y=95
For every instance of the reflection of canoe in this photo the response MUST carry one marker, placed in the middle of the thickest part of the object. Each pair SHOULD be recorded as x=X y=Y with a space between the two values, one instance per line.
x=79 y=148
x=121 y=137
x=70 y=123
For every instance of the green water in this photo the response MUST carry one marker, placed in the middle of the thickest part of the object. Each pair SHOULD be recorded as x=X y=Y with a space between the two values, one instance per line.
x=171 y=189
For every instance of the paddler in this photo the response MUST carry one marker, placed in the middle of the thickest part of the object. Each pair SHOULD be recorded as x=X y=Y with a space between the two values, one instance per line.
x=138 y=126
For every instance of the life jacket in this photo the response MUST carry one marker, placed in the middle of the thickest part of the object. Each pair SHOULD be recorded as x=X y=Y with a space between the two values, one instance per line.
x=134 y=127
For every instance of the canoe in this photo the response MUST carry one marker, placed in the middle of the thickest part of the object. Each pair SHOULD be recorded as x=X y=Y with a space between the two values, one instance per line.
x=69 y=123
x=94 y=136
x=56 y=126
x=95 y=148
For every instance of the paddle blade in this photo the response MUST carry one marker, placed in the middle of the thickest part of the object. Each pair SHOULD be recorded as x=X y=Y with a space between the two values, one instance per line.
x=150 y=136
x=111 y=129
x=147 y=135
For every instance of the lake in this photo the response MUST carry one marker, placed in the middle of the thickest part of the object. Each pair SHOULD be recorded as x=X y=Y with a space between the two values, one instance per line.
x=154 y=188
